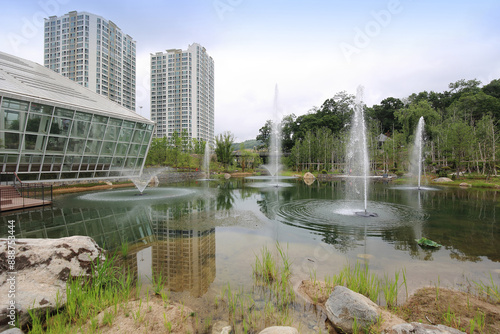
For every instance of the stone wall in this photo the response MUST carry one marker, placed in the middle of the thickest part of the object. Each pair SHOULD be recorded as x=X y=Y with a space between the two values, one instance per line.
x=170 y=177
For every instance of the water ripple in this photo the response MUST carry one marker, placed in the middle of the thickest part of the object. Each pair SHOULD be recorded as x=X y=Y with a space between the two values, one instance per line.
x=321 y=215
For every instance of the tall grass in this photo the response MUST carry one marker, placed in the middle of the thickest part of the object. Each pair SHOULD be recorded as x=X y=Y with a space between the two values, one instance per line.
x=86 y=297
x=272 y=271
x=359 y=280
x=488 y=290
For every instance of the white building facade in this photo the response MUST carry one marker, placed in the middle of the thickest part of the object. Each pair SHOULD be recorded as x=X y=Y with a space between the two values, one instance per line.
x=182 y=93
x=94 y=52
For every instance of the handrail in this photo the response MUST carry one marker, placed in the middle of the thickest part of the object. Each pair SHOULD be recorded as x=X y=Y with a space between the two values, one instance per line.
x=25 y=195
x=17 y=177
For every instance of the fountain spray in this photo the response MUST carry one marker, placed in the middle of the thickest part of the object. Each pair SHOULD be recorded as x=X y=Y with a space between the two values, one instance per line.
x=358 y=163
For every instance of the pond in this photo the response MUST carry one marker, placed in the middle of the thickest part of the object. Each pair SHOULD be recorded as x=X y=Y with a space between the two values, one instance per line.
x=203 y=236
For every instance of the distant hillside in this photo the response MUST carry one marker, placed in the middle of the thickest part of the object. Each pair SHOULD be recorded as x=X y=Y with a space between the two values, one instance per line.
x=249 y=144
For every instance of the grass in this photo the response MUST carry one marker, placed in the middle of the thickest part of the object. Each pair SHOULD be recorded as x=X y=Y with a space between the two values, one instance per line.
x=86 y=297
x=465 y=312
x=272 y=271
x=359 y=280
x=488 y=290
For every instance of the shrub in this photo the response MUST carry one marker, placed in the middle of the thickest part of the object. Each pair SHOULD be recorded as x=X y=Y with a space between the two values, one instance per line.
x=324 y=171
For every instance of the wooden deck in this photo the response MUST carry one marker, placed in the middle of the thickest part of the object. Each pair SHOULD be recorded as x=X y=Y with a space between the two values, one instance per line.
x=10 y=199
x=22 y=203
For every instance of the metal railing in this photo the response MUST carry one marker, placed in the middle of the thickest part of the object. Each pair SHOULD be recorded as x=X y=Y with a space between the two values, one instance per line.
x=14 y=194
x=9 y=179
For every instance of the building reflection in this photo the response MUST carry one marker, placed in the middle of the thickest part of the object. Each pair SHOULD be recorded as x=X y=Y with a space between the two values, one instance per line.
x=110 y=227
x=184 y=252
x=175 y=239
x=186 y=258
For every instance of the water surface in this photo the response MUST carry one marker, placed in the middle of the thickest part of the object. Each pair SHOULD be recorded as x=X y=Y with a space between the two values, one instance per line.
x=204 y=235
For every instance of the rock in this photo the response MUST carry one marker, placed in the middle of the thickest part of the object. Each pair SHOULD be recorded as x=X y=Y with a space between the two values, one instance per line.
x=344 y=305
x=365 y=256
x=227 y=176
x=43 y=266
x=465 y=184
x=418 y=328
x=309 y=176
x=221 y=327
x=443 y=179
x=13 y=331
x=109 y=183
x=279 y=330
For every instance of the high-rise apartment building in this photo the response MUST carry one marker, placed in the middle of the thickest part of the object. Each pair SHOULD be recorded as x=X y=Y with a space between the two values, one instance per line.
x=182 y=92
x=94 y=52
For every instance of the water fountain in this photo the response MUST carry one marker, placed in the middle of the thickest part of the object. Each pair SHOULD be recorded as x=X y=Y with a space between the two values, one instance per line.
x=142 y=181
x=206 y=160
x=357 y=162
x=274 y=166
x=275 y=149
x=206 y=163
x=416 y=157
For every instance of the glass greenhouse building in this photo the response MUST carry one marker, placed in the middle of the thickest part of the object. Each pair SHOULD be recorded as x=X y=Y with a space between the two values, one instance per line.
x=53 y=129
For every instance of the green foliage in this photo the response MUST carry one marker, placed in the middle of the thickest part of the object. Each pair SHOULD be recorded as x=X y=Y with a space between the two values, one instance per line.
x=248 y=159
x=409 y=116
x=223 y=148
x=85 y=298
x=248 y=144
x=264 y=135
x=462 y=128
x=334 y=114
x=175 y=151
x=424 y=242
x=384 y=113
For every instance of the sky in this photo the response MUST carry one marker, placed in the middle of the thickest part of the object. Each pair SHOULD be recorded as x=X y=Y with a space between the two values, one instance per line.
x=299 y=53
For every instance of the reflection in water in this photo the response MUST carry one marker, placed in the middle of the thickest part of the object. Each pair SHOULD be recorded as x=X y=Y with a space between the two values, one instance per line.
x=462 y=220
x=186 y=258
x=108 y=226
x=177 y=236
x=176 y=239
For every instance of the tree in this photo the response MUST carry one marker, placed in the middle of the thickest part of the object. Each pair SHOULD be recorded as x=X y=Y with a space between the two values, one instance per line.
x=487 y=141
x=461 y=86
x=493 y=88
x=157 y=153
x=265 y=133
x=287 y=132
x=460 y=141
x=384 y=113
x=472 y=106
x=223 y=148
x=409 y=116
x=334 y=114
x=198 y=146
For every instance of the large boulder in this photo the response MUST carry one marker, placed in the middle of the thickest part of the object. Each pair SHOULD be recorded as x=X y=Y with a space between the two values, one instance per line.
x=442 y=179
x=309 y=178
x=418 y=328
x=43 y=266
x=345 y=306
